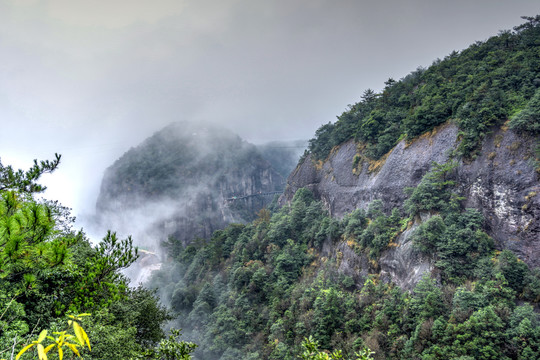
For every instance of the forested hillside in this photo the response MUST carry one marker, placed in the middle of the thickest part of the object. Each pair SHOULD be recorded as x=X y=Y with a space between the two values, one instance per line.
x=257 y=291
x=177 y=183
x=482 y=86
x=409 y=230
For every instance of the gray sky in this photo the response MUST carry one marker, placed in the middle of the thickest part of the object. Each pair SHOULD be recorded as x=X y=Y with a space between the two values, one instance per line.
x=90 y=79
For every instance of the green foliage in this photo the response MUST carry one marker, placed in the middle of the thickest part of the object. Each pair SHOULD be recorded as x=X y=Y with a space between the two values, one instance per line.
x=26 y=181
x=380 y=231
x=434 y=191
x=322 y=143
x=476 y=322
x=480 y=87
x=428 y=235
x=102 y=283
x=462 y=245
x=312 y=352
x=62 y=342
x=47 y=269
x=514 y=270
x=276 y=288
x=528 y=119
x=427 y=301
x=355 y=222
x=172 y=349
x=259 y=290
x=327 y=310
x=454 y=236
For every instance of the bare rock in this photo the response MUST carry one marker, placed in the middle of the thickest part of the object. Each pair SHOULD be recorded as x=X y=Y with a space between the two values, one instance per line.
x=501 y=182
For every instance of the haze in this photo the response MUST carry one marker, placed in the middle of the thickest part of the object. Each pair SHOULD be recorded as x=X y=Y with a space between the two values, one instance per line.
x=90 y=79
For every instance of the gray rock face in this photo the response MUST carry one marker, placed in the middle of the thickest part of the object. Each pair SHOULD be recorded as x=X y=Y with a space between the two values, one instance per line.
x=343 y=191
x=402 y=264
x=501 y=183
x=357 y=266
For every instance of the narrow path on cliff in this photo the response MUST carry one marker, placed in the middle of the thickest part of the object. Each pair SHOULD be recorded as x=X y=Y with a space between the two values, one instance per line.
x=252 y=195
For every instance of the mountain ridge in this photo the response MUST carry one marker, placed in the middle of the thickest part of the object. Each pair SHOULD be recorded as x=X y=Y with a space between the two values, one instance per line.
x=192 y=168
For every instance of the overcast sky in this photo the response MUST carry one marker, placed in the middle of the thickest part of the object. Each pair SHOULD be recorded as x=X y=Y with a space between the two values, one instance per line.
x=89 y=79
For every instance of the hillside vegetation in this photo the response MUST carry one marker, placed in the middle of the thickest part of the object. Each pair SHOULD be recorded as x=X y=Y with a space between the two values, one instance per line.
x=297 y=283
x=480 y=87
x=256 y=291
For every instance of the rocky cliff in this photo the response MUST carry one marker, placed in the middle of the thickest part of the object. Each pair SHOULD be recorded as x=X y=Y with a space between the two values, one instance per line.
x=177 y=182
x=502 y=182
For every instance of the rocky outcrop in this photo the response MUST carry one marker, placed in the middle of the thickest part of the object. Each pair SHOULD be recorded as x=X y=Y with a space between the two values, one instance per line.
x=401 y=263
x=501 y=182
x=343 y=191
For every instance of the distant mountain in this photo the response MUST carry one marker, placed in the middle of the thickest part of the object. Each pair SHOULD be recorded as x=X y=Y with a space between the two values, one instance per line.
x=177 y=182
x=283 y=155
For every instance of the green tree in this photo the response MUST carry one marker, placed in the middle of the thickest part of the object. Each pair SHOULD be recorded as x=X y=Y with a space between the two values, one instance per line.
x=26 y=181
x=528 y=119
x=46 y=269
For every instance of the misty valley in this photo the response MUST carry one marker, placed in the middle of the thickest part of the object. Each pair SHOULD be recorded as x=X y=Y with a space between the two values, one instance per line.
x=409 y=228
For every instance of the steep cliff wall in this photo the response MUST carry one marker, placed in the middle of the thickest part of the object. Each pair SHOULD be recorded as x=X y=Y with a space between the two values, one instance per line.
x=177 y=181
x=501 y=182
x=345 y=187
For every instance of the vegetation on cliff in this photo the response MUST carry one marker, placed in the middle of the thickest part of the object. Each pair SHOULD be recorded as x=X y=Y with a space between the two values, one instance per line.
x=256 y=291
x=275 y=288
x=480 y=87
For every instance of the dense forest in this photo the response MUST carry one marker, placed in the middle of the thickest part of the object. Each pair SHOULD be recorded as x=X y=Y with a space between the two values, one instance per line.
x=482 y=86
x=275 y=288
x=257 y=291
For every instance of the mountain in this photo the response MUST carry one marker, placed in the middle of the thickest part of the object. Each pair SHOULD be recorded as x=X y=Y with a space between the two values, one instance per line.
x=501 y=182
x=410 y=227
x=283 y=155
x=186 y=181
x=479 y=108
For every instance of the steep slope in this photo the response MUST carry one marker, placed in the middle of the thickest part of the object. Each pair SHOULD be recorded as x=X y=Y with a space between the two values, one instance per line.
x=479 y=87
x=177 y=182
x=398 y=230
x=501 y=182
x=480 y=107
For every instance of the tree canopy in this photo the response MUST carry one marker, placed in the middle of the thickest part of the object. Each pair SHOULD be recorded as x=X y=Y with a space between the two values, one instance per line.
x=478 y=88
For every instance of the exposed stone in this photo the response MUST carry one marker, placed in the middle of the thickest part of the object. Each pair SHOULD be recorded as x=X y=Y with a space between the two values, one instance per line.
x=402 y=263
x=343 y=191
x=501 y=182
